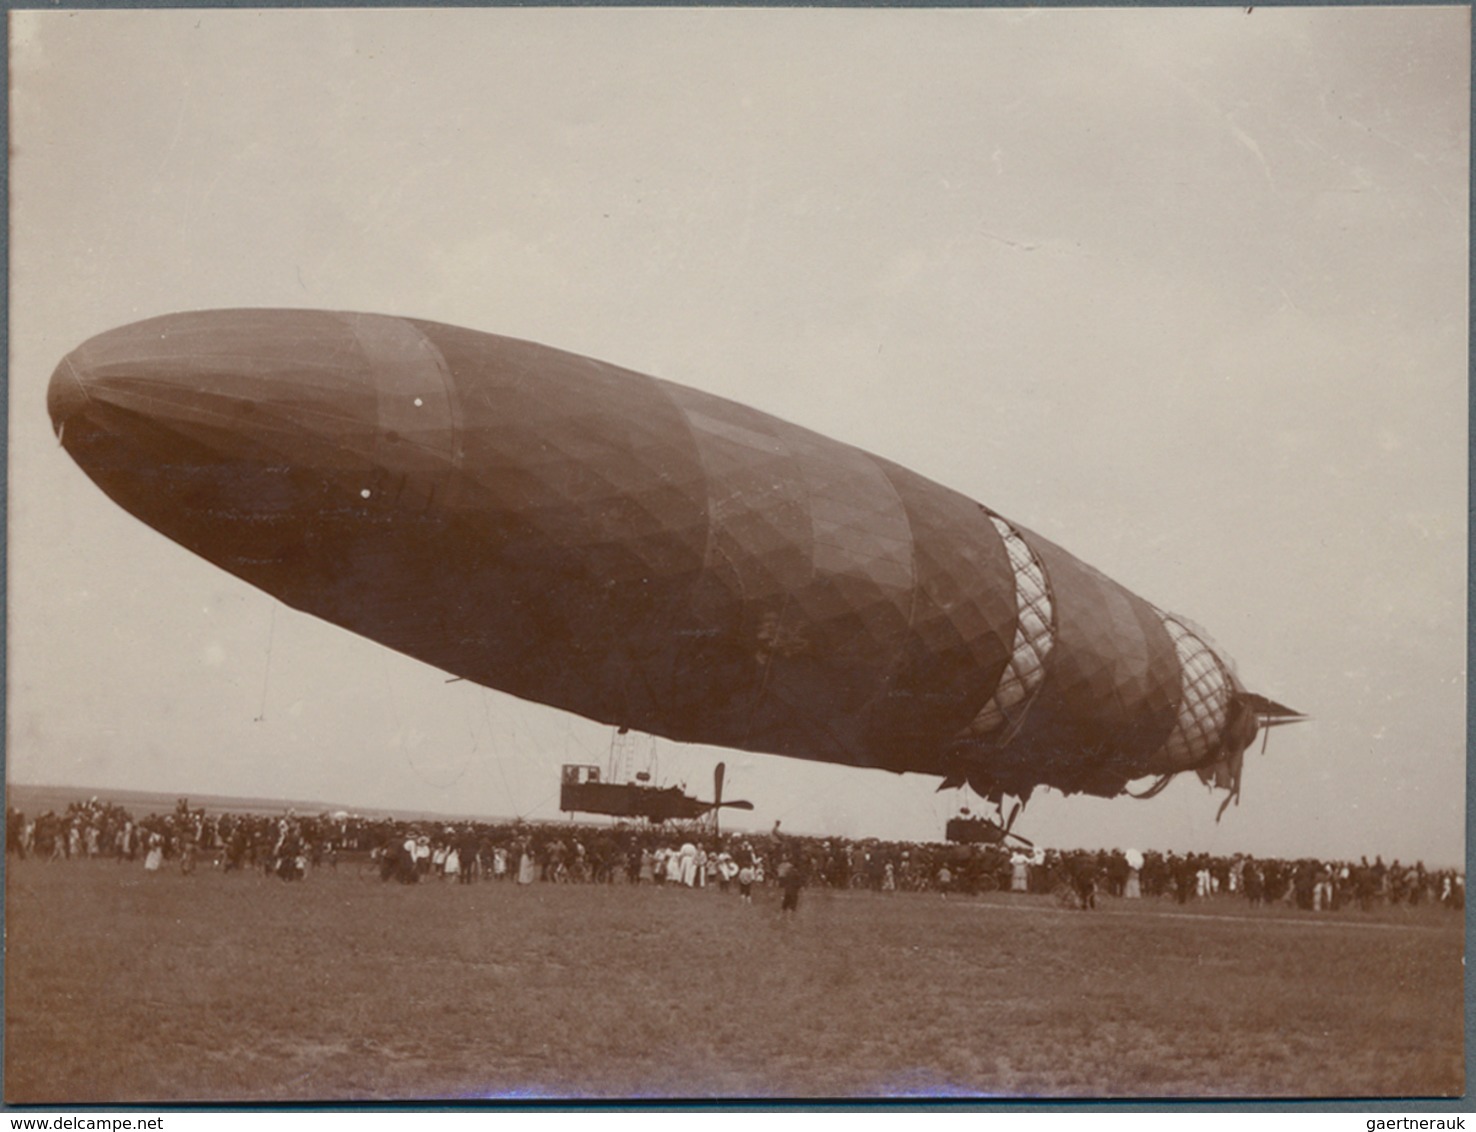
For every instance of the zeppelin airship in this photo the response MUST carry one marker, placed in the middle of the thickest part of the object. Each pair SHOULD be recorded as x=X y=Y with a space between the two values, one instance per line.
x=643 y=554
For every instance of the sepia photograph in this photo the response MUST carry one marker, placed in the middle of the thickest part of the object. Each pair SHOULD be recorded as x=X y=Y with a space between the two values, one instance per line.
x=639 y=555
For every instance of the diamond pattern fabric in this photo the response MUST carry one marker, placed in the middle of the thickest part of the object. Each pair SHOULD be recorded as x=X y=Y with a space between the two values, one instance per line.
x=961 y=618
x=1204 y=704
x=866 y=613
x=1034 y=613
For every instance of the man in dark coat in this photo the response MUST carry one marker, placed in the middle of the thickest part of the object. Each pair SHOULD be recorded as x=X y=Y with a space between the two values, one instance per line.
x=790 y=881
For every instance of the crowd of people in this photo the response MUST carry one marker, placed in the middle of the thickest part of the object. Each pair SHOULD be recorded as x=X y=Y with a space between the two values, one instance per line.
x=290 y=846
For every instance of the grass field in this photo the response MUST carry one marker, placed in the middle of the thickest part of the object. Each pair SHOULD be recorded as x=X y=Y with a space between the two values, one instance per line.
x=124 y=986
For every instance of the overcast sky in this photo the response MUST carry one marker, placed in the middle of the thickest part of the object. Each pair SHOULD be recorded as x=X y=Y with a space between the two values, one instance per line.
x=1183 y=290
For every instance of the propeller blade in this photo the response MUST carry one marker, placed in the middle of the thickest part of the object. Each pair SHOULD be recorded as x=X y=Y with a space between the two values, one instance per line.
x=717 y=792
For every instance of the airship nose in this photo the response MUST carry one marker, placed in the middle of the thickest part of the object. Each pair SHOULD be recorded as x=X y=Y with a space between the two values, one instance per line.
x=65 y=396
x=181 y=404
x=209 y=371
x=246 y=435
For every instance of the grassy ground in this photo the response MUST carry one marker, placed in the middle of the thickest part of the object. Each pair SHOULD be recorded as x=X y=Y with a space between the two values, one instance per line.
x=122 y=986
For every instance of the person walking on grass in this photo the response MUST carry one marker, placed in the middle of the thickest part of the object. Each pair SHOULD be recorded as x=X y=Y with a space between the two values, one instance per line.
x=745 y=884
x=526 y=865
x=790 y=881
x=155 y=858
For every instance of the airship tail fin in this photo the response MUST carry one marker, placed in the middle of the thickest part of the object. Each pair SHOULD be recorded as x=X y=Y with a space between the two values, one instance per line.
x=1271 y=713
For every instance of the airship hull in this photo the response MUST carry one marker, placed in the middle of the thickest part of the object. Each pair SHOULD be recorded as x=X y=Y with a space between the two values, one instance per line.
x=635 y=551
